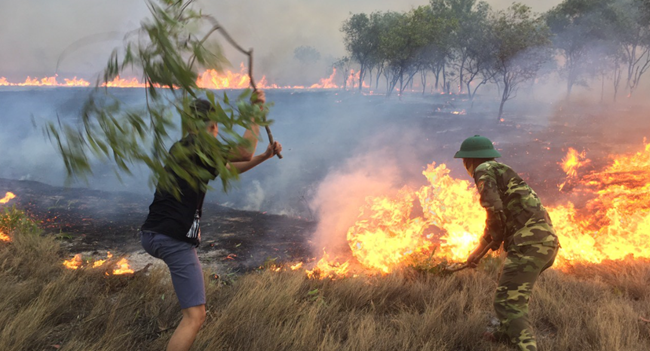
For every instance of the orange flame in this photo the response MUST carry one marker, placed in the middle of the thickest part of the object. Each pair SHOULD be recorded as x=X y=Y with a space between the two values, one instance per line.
x=613 y=225
x=73 y=263
x=118 y=82
x=8 y=196
x=74 y=82
x=99 y=263
x=328 y=268
x=573 y=161
x=326 y=83
x=353 y=80
x=387 y=234
x=453 y=206
x=46 y=82
x=209 y=79
x=123 y=267
x=212 y=79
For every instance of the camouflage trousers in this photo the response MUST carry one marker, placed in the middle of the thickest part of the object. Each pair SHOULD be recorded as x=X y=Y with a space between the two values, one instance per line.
x=521 y=268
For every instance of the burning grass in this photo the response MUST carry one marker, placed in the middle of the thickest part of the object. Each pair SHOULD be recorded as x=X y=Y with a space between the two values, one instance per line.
x=45 y=306
x=610 y=223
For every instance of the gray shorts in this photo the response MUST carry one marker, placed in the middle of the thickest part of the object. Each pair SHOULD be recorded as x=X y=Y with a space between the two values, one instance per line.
x=183 y=263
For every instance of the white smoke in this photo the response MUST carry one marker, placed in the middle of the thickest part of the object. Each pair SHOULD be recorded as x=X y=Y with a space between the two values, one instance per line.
x=254 y=196
x=35 y=32
x=342 y=193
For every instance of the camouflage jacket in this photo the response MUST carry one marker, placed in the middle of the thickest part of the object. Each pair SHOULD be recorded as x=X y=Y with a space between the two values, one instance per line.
x=515 y=215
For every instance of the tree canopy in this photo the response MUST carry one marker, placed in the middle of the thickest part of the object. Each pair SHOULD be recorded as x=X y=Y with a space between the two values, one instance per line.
x=467 y=44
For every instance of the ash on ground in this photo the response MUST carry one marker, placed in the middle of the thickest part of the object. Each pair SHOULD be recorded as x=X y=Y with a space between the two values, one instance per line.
x=93 y=222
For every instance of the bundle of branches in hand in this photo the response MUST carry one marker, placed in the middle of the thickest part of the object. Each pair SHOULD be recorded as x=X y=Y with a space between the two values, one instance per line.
x=168 y=49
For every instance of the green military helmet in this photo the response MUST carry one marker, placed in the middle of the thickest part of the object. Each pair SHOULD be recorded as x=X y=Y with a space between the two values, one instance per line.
x=477 y=147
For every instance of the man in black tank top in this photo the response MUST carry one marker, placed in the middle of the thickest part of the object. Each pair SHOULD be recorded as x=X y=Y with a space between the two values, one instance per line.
x=164 y=233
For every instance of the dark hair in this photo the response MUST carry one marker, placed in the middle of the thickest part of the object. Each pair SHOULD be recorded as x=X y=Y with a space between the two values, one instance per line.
x=201 y=108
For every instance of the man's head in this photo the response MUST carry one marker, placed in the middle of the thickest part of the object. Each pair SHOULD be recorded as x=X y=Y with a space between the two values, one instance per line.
x=201 y=109
x=476 y=150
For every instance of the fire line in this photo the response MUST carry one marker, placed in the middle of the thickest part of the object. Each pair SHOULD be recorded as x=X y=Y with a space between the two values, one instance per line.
x=614 y=224
x=209 y=79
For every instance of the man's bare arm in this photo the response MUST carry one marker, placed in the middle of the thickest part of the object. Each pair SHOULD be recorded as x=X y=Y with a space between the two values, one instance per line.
x=271 y=151
x=245 y=153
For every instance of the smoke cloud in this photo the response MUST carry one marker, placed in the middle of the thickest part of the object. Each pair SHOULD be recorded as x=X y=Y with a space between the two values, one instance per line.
x=341 y=194
x=36 y=33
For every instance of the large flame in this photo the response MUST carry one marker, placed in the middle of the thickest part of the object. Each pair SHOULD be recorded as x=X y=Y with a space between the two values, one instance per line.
x=389 y=232
x=452 y=205
x=385 y=235
x=613 y=224
x=571 y=163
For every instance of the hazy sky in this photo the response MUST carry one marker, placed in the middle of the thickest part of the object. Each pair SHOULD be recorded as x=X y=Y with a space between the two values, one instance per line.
x=33 y=33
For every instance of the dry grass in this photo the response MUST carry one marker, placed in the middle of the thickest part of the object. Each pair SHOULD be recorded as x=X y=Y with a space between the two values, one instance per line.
x=43 y=305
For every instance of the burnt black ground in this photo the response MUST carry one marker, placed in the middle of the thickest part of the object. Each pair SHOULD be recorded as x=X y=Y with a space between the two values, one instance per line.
x=88 y=220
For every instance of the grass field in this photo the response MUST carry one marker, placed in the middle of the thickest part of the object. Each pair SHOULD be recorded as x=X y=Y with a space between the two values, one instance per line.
x=44 y=306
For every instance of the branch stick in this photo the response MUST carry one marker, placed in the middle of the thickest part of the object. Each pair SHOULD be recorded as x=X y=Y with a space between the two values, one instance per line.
x=466 y=265
x=248 y=53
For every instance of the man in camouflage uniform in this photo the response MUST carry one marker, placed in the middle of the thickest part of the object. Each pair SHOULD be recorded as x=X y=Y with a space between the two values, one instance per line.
x=516 y=218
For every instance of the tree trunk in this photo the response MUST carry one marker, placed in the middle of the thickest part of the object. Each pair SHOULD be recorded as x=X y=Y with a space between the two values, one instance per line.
x=361 y=73
x=501 y=109
x=436 y=74
x=380 y=70
x=389 y=88
x=504 y=98
x=570 y=79
x=475 y=90
x=423 y=75
x=460 y=74
x=444 y=80
x=410 y=81
x=630 y=69
x=617 y=79
x=390 y=84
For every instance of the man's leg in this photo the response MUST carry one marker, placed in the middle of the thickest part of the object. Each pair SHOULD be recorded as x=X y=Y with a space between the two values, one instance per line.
x=187 y=278
x=521 y=269
x=185 y=333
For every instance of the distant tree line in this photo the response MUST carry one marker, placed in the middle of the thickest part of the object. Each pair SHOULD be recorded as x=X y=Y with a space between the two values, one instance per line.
x=467 y=44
